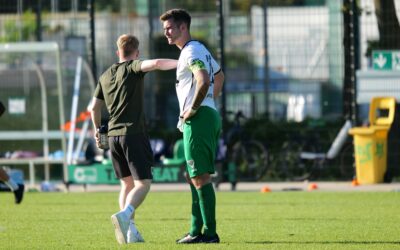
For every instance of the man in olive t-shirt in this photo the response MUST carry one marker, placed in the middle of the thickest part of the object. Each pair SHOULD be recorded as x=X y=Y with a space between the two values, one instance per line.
x=120 y=89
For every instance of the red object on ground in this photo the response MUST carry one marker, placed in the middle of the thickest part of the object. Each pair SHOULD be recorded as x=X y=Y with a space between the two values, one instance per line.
x=312 y=186
x=265 y=189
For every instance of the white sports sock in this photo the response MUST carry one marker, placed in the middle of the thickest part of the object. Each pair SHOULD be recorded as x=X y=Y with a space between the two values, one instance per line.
x=11 y=184
x=129 y=210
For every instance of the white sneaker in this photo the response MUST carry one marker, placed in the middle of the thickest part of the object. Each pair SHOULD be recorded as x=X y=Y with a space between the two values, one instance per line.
x=133 y=235
x=121 y=225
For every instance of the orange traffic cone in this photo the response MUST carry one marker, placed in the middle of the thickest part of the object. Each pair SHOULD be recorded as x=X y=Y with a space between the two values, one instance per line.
x=312 y=186
x=265 y=189
x=355 y=183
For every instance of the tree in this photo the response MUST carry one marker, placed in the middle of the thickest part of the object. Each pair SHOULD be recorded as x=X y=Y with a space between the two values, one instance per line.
x=20 y=31
x=389 y=39
x=388 y=24
x=246 y=5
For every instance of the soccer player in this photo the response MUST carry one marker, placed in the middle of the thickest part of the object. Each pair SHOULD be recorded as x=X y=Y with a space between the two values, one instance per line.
x=199 y=81
x=121 y=90
x=17 y=189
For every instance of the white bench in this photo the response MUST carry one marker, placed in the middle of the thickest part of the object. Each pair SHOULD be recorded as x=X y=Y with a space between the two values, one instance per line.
x=31 y=163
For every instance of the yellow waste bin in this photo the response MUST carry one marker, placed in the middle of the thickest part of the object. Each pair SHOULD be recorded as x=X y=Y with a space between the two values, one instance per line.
x=370 y=143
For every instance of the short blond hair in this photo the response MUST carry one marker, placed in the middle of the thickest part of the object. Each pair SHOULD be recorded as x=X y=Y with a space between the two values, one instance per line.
x=127 y=44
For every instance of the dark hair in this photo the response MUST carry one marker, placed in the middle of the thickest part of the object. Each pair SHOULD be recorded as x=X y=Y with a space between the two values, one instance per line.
x=178 y=15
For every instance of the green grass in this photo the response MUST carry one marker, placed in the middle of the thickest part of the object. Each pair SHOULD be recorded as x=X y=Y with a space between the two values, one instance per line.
x=245 y=220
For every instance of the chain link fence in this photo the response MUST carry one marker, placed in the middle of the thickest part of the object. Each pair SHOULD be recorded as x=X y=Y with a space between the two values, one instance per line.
x=301 y=62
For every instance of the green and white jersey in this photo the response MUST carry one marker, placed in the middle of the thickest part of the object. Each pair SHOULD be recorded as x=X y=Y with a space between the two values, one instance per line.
x=194 y=56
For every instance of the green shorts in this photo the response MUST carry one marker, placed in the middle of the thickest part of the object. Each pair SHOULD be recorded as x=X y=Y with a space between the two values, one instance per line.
x=200 y=137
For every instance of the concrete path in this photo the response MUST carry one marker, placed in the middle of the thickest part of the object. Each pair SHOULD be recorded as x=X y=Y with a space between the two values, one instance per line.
x=258 y=186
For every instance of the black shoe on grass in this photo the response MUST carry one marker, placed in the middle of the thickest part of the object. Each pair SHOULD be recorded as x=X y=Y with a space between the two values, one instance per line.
x=210 y=239
x=188 y=239
x=19 y=193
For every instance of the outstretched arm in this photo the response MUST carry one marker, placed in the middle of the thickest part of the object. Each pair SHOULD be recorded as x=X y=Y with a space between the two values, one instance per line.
x=160 y=64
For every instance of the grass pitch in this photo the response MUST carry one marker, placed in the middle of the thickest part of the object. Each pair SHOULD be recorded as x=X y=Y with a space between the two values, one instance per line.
x=245 y=220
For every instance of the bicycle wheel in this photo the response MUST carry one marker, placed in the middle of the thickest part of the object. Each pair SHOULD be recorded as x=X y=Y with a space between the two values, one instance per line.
x=286 y=160
x=290 y=166
x=346 y=159
x=251 y=160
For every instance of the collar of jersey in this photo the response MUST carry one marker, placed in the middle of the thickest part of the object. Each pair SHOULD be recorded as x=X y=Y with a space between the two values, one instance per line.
x=188 y=43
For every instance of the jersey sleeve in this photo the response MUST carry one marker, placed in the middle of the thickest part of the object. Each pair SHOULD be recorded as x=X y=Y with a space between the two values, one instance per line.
x=195 y=60
x=216 y=67
x=135 y=65
x=98 y=92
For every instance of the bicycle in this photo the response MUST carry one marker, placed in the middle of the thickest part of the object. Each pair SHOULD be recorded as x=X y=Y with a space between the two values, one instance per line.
x=239 y=157
x=302 y=158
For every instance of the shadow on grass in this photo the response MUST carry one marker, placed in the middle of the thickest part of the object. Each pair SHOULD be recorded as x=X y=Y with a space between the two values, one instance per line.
x=168 y=219
x=324 y=242
x=311 y=219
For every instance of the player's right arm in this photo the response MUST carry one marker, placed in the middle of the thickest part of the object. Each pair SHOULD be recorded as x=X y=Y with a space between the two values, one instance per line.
x=158 y=64
x=95 y=108
x=95 y=111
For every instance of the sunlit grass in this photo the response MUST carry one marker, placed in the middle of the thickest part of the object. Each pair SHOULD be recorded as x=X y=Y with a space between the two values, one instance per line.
x=245 y=220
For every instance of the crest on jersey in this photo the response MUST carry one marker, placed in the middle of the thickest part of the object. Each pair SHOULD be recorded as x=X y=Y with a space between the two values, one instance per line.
x=190 y=163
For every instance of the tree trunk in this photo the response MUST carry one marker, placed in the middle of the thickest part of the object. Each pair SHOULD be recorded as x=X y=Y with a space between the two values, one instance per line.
x=389 y=38
x=388 y=24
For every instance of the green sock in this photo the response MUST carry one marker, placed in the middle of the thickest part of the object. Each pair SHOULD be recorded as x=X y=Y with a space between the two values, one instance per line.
x=207 y=206
x=197 y=220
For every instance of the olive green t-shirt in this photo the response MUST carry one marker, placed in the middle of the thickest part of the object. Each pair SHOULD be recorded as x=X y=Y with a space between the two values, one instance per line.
x=122 y=88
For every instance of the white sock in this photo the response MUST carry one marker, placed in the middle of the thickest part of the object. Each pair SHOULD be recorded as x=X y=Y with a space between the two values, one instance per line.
x=128 y=211
x=11 y=184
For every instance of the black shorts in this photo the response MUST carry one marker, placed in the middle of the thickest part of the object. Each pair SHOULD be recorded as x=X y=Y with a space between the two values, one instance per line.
x=131 y=156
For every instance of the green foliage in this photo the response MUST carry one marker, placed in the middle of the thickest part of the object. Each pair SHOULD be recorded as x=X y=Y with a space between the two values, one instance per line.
x=274 y=133
x=14 y=33
x=246 y=5
x=237 y=59
x=111 y=5
x=277 y=220
x=287 y=139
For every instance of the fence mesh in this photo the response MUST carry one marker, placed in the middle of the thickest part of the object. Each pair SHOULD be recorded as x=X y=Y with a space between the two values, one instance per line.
x=288 y=62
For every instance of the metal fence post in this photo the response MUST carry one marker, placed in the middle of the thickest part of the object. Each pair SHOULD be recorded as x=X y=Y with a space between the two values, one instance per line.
x=351 y=47
x=266 y=58
x=221 y=57
x=92 y=40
